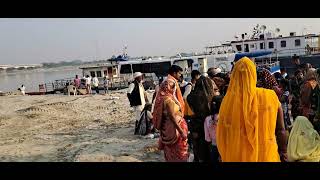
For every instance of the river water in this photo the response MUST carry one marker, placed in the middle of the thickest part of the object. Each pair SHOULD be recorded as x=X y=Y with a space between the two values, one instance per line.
x=31 y=79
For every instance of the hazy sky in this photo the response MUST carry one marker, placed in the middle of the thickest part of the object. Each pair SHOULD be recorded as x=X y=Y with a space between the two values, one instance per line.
x=24 y=41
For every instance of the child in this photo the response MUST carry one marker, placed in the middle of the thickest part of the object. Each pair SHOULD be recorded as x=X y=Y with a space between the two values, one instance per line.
x=210 y=125
x=284 y=99
x=144 y=125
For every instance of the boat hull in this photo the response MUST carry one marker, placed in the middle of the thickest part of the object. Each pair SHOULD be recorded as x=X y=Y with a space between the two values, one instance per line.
x=286 y=62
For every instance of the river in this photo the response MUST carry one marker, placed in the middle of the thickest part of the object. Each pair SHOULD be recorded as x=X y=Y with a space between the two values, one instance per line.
x=31 y=79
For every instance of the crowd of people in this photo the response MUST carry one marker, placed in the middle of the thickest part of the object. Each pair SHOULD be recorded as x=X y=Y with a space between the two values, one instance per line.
x=88 y=83
x=246 y=115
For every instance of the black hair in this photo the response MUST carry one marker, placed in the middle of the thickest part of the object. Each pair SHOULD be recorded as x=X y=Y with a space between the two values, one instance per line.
x=221 y=75
x=278 y=76
x=174 y=69
x=210 y=72
x=297 y=72
x=295 y=57
x=282 y=69
x=195 y=73
x=285 y=84
x=216 y=103
x=87 y=76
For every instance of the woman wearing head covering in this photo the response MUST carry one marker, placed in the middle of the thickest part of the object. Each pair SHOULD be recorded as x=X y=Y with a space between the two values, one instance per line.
x=200 y=100
x=267 y=80
x=250 y=118
x=168 y=118
x=308 y=96
x=304 y=142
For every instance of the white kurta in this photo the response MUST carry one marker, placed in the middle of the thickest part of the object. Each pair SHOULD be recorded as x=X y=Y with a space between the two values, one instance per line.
x=138 y=109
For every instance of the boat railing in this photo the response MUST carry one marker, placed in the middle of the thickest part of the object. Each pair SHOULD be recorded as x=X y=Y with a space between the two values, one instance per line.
x=118 y=82
x=291 y=52
x=61 y=83
x=313 y=50
x=56 y=85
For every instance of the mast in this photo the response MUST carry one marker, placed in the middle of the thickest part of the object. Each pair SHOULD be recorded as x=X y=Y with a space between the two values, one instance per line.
x=125 y=50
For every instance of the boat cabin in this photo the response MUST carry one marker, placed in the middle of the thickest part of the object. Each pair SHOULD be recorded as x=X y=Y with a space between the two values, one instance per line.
x=281 y=46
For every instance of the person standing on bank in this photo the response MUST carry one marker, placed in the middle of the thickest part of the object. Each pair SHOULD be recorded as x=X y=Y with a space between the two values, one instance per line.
x=106 y=85
x=137 y=95
x=168 y=118
x=250 y=126
x=95 y=83
x=23 y=89
x=88 y=84
x=77 y=82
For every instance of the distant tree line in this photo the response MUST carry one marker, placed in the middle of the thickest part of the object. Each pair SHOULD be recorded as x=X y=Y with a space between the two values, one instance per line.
x=70 y=63
x=62 y=63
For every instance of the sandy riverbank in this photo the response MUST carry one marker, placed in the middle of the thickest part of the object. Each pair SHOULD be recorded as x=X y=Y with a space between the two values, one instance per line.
x=68 y=128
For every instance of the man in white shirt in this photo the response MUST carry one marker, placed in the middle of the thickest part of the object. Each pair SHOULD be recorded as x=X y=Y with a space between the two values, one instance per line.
x=23 y=90
x=137 y=95
x=88 y=84
x=95 y=83
x=195 y=75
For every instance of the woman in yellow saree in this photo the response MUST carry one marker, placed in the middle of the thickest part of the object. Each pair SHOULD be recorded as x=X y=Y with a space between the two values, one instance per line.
x=304 y=142
x=248 y=117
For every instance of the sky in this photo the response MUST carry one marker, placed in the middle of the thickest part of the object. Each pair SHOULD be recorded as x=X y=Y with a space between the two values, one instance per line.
x=33 y=41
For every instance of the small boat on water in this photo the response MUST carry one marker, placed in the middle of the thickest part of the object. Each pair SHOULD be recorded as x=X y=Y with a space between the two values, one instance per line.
x=34 y=93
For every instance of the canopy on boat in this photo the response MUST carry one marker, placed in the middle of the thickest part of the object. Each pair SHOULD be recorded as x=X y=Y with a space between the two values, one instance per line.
x=120 y=58
x=251 y=54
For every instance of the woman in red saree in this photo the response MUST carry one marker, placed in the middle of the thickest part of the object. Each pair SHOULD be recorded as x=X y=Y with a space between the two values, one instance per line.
x=168 y=119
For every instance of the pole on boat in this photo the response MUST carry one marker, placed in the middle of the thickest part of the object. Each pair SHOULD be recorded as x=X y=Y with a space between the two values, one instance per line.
x=131 y=71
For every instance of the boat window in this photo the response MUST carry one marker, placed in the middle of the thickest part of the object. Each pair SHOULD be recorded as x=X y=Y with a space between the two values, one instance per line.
x=99 y=74
x=125 y=69
x=271 y=45
x=137 y=68
x=239 y=48
x=297 y=42
x=246 y=48
x=147 y=68
x=251 y=46
x=161 y=68
x=92 y=73
x=261 y=45
x=114 y=71
x=283 y=43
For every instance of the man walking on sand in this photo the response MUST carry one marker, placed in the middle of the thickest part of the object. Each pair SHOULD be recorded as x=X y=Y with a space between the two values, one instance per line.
x=95 y=83
x=106 y=85
x=137 y=95
x=88 y=84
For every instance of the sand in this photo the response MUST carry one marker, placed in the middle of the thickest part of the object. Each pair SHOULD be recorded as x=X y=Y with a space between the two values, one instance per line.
x=60 y=128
